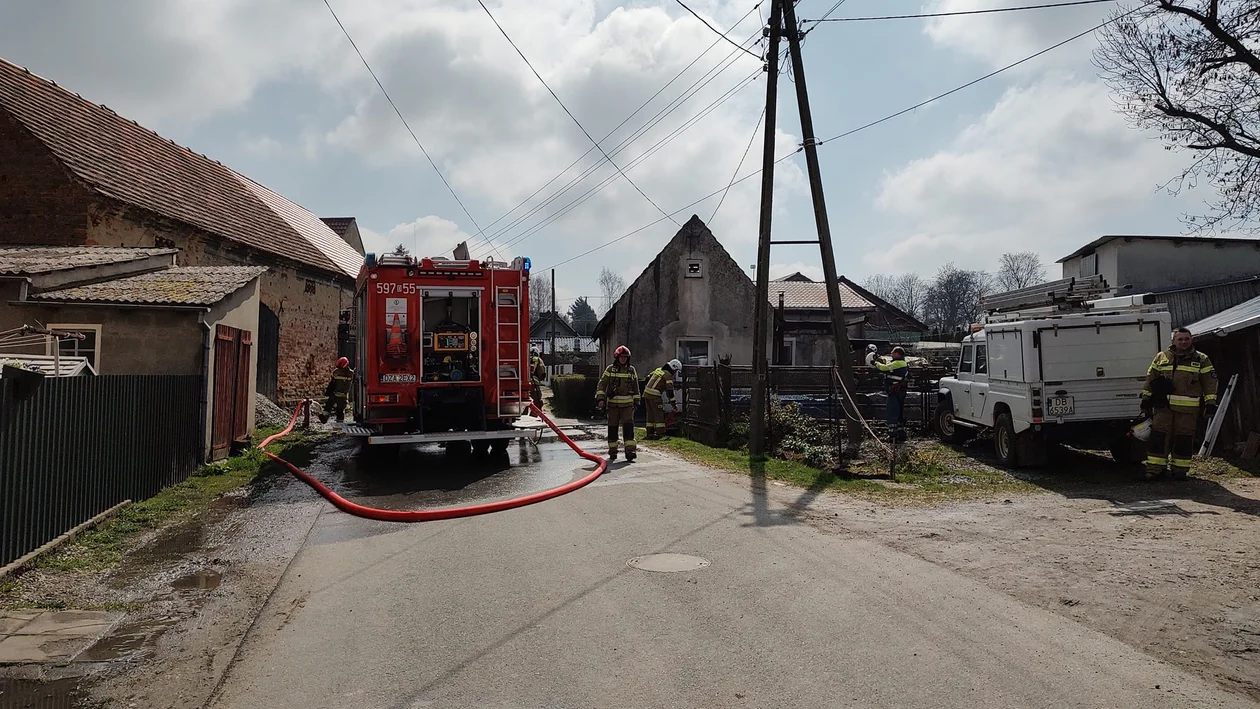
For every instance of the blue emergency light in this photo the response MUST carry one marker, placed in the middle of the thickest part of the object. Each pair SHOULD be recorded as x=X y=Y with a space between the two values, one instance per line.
x=526 y=263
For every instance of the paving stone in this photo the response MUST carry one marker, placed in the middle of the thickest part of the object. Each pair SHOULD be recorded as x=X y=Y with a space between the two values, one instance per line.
x=85 y=623
x=18 y=649
x=12 y=621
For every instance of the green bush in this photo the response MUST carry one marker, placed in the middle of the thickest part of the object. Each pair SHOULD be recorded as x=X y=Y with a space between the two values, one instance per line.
x=792 y=436
x=573 y=394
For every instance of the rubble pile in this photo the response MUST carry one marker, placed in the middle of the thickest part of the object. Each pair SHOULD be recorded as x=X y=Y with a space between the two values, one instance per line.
x=268 y=415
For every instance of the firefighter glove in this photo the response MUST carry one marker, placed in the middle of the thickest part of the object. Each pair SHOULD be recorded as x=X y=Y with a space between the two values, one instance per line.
x=1211 y=411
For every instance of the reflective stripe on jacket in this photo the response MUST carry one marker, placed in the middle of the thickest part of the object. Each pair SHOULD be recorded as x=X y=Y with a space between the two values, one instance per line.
x=1193 y=379
x=895 y=371
x=659 y=381
x=619 y=385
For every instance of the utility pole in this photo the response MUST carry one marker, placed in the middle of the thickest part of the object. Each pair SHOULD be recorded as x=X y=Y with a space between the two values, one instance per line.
x=554 y=316
x=844 y=355
x=757 y=423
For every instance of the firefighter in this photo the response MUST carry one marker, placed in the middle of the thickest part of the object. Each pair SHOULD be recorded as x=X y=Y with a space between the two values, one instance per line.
x=1180 y=381
x=618 y=392
x=658 y=393
x=896 y=372
x=337 y=393
x=537 y=370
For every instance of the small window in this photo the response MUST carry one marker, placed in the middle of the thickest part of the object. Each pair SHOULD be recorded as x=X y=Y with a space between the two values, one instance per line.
x=310 y=286
x=695 y=268
x=693 y=352
x=982 y=363
x=89 y=346
x=964 y=365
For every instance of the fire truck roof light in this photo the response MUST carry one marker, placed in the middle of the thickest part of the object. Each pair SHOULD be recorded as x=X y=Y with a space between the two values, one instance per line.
x=527 y=263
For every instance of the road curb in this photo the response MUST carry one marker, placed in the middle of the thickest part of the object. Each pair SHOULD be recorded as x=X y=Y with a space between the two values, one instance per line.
x=14 y=567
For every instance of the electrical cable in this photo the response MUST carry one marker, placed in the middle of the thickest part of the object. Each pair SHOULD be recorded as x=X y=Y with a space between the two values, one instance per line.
x=959 y=13
x=716 y=30
x=861 y=128
x=626 y=120
x=401 y=118
x=744 y=157
x=566 y=109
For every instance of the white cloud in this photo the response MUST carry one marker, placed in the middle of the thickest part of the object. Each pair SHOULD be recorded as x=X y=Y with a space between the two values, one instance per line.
x=1004 y=37
x=263 y=146
x=424 y=236
x=1042 y=171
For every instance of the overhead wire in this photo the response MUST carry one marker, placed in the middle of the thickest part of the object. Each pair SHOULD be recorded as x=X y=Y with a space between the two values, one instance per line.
x=716 y=31
x=742 y=158
x=653 y=121
x=566 y=108
x=960 y=13
x=871 y=124
x=406 y=125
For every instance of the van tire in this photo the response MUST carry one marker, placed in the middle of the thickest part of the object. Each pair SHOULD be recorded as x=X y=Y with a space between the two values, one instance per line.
x=947 y=429
x=1006 y=441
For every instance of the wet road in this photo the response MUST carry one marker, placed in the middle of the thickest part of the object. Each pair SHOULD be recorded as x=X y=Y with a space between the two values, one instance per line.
x=660 y=585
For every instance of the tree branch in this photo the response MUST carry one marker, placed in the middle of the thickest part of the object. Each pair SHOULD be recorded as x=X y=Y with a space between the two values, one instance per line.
x=1211 y=23
x=1227 y=137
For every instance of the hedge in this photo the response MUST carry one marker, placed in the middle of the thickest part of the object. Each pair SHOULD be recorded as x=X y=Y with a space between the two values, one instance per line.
x=573 y=394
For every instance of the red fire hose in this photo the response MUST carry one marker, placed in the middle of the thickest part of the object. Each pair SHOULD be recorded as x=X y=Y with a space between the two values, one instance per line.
x=349 y=507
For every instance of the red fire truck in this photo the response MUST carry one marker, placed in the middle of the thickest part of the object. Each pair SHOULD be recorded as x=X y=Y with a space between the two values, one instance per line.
x=441 y=352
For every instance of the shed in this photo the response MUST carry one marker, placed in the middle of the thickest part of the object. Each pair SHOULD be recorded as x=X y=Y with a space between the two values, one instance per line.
x=1232 y=339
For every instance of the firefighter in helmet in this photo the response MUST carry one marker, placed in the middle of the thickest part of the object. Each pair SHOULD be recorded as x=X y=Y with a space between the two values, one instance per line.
x=1180 y=383
x=618 y=392
x=657 y=394
x=537 y=370
x=337 y=393
x=895 y=372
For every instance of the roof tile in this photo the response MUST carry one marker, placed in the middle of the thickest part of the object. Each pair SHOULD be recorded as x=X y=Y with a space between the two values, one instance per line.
x=810 y=295
x=187 y=285
x=27 y=260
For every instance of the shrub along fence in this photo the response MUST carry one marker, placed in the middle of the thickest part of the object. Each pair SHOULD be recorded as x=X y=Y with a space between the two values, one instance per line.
x=76 y=446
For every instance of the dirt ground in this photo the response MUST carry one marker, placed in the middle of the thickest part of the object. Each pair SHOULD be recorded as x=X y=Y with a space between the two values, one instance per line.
x=1170 y=568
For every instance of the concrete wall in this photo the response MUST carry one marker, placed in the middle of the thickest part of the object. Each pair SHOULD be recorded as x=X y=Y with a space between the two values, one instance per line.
x=663 y=306
x=1156 y=264
x=240 y=311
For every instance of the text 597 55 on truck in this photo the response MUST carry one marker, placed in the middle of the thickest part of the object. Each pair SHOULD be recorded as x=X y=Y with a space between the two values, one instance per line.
x=441 y=352
x=1040 y=378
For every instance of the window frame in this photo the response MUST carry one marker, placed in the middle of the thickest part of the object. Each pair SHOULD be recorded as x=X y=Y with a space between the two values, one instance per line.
x=967 y=359
x=790 y=344
x=96 y=328
x=980 y=362
x=678 y=349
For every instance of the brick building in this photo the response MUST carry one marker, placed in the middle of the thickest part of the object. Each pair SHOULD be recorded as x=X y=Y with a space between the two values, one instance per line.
x=75 y=173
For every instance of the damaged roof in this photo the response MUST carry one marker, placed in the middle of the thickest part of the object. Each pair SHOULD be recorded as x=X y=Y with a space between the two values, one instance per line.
x=186 y=285
x=122 y=160
x=30 y=260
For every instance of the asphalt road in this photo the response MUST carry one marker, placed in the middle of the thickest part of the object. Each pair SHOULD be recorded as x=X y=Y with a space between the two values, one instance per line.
x=538 y=607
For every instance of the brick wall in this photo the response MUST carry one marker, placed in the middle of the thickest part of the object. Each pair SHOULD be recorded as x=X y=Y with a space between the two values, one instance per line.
x=39 y=201
x=306 y=303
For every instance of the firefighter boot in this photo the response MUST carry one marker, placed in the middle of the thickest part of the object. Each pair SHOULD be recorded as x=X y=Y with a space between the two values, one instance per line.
x=628 y=434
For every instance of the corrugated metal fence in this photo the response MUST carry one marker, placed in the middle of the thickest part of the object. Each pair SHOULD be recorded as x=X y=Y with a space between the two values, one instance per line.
x=81 y=445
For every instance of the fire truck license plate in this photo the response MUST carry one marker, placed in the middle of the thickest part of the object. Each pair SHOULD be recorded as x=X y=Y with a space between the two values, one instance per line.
x=398 y=378
x=1060 y=406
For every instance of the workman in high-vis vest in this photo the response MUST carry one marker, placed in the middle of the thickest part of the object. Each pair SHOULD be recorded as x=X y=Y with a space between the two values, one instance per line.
x=896 y=371
x=337 y=393
x=618 y=392
x=1180 y=383
x=657 y=394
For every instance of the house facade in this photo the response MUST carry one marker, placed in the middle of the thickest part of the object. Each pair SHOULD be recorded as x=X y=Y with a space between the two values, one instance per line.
x=74 y=173
x=1143 y=264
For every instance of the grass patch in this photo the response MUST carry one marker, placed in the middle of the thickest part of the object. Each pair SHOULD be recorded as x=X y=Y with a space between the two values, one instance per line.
x=103 y=547
x=1222 y=469
x=928 y=472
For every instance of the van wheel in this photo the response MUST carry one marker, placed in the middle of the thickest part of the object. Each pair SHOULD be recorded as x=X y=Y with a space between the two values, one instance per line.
x=947 y=429
x=1005 y=441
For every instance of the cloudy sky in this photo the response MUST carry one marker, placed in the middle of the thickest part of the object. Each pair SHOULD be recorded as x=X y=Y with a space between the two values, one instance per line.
x=1035 y=158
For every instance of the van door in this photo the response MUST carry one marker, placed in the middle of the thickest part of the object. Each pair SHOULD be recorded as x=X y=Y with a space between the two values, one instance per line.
x=980 y=407
x=962 y=407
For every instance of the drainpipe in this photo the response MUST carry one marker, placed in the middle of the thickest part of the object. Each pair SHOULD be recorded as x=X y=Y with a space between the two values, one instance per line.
x=205 y=380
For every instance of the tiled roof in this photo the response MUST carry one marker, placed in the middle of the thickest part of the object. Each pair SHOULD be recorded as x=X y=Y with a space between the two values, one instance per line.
x=814 y=295
x=338 y=224
x=27 y=260
x=122 y=160
x=188 y=285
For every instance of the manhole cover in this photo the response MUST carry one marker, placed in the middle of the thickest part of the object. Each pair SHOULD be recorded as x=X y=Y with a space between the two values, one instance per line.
x=668 y=563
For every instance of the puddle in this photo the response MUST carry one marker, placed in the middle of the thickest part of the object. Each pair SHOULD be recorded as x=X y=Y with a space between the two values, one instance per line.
x=126 y=643
x=202 y=579
x=36 y=694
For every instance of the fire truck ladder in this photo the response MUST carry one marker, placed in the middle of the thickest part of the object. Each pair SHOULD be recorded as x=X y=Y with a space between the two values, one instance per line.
x=507 y=331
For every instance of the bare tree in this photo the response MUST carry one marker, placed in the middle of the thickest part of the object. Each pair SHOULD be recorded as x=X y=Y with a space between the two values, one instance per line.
x=1019 y=270
x=909 y=293
x=1186 y=69
x=611 y=288
x=952 y=301
x=881 y=284
x=539 y=294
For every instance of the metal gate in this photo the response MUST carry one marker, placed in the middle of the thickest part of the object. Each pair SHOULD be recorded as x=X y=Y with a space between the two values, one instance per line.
x=268 y=352
x=231 y=389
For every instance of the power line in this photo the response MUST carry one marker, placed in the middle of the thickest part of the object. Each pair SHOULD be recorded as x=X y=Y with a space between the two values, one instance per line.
x=488 y=239
x=717 y=31
x=669 y=108
x=566 y=108
x=958 y=13
x=742 y=158
x=858 y=129
x=401 y=118
x=825 y=16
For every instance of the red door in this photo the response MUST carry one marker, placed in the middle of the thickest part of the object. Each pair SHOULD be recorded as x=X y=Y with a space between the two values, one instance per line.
x=231 y=389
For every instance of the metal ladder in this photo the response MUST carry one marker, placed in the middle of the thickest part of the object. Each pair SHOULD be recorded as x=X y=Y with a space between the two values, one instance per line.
x=507 y=301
